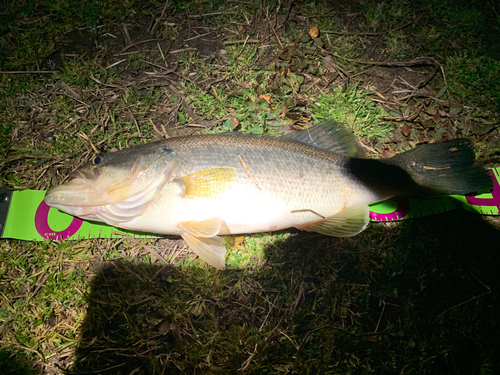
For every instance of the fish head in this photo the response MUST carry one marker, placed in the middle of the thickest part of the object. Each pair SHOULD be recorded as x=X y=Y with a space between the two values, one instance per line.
x=132 y=176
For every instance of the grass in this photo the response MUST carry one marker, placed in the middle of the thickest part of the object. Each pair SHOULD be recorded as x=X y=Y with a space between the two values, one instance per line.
x=416 y=297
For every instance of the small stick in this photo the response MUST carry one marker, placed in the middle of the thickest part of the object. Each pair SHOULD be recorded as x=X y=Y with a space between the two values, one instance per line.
x=135 y=44
x=242 y=41
x=249 y=172
x=162 y=55
x=183 y=49
x=308 y=210
x=31 y=72
x=86 y=138
x=157 y=21
x=115 y=64
x=365 y=33
x=272 y=28
x=229 y=11
x=414 y=62
x=133 y=117
x=242 y=48
x=199 y=36
x=187 y=108
x=146 y=247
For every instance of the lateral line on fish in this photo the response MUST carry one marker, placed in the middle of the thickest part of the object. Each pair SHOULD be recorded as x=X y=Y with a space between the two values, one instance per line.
x=249 y=172
x=308 y=210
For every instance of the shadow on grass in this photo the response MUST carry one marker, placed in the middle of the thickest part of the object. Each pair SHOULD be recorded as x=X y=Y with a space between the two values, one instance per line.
x=15 y=363
x=421 y=297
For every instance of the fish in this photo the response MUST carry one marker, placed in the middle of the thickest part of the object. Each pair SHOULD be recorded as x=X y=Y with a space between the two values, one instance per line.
x=202 y=187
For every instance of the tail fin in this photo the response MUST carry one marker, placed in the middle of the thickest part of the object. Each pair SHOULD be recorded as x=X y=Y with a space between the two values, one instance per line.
x=444 y=168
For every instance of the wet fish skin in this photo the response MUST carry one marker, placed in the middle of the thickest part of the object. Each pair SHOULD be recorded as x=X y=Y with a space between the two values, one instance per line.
x=204 y=186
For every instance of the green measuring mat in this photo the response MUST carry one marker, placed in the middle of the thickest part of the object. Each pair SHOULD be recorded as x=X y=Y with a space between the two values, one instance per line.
x=25 y=216
x=30 y=218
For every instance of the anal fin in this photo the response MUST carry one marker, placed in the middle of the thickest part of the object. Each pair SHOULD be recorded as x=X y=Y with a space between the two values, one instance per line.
x=348 y=222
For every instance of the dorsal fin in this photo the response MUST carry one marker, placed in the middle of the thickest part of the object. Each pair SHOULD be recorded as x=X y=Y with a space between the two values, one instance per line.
x=329 y=135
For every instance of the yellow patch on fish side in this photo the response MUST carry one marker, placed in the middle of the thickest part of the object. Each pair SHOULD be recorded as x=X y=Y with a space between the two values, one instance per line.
x=208 y=183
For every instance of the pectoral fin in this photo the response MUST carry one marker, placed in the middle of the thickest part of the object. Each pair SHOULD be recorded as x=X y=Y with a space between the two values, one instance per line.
x=211 y=250
x=346 y=223
x=201 y=236
x=207 y=183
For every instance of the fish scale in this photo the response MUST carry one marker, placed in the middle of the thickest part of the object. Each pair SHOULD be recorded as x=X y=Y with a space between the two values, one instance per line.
x=286 y=168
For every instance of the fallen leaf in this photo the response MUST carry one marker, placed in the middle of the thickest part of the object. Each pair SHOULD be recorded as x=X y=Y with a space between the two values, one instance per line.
x=442 y=91
x=406 y=130
x=314 y=32
x=431 y=111
x=285 y=72
x=164 y=327
x=329 y=64
x=235 y=122
x=267 y=98
x=455 y=109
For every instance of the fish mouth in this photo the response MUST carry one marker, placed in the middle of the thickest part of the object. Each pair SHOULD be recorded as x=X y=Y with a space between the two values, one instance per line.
x=77 y=190
x=68 y=194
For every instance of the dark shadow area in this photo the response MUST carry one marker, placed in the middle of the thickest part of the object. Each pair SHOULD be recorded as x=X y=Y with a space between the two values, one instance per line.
x=419 y=297
x=15 y=363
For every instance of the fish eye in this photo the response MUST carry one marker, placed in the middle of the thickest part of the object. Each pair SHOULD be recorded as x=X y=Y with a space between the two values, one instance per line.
x=97 y=160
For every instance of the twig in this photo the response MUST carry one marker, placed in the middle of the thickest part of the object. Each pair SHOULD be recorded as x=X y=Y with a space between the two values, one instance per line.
x=73 y=94
x=19 y=157
x=229 y=11
x=85 y=137
x=31 y=72
x=247 y=362
x=121 y=87
x=115 y=64
x=269 y=312
x=249 y=172
x=307 y=210
x=199 y=36
x=162 y=55
x=157 y=21
x=136 y=44
x=365 y=33
x=182 y=50
x=187 y=108
x=128 y=40
x=488 y=291
x=272 y=27
x=287 y=16
x=380 y=317
x=415 y=62
x=133 y=117
x=244 y=45
x=242 y=41
x=146 y=247
x=166 y=70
